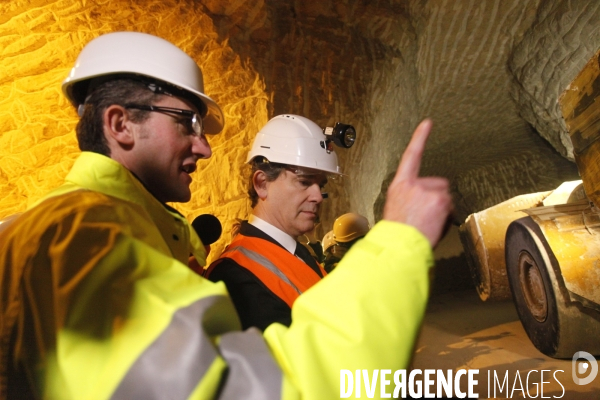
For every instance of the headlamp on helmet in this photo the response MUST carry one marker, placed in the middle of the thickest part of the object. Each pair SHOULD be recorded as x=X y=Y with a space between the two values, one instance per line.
x=342 y=135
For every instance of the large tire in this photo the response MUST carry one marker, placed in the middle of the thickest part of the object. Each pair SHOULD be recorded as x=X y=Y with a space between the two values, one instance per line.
x=556 y=326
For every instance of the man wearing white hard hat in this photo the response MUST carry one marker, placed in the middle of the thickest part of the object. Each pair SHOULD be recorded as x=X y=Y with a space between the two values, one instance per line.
x=265 y=268
x=98 y=301
x=95 y=273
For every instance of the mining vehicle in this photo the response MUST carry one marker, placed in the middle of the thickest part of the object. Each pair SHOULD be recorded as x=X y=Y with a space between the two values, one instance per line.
x=543 y=249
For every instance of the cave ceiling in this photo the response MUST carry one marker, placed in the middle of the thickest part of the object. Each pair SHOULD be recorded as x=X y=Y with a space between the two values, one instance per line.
x=488 y=73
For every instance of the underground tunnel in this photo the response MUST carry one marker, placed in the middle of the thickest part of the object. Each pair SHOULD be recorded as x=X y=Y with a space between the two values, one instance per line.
x=488 y=73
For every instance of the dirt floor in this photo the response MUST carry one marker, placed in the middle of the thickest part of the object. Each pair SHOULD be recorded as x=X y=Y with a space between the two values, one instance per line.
x=462 y=332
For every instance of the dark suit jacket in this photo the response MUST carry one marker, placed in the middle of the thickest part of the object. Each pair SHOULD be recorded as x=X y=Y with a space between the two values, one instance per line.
x=255 y=303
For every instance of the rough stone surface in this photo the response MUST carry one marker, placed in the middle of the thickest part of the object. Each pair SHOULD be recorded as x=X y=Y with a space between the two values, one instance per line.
x=554 y=49
x=488 y=73
x=383 y=66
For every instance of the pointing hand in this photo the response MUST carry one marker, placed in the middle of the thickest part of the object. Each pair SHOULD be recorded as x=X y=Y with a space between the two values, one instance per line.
x=424 y=203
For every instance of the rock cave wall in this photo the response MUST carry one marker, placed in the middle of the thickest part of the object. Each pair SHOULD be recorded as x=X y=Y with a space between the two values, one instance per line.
x=488 y=73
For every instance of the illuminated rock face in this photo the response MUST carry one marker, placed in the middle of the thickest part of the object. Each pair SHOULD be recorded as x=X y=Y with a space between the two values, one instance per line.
x=40 y=41
x=489 y=74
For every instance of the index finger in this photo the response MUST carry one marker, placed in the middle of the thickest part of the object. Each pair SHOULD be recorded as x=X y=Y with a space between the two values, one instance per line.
x=411 y=159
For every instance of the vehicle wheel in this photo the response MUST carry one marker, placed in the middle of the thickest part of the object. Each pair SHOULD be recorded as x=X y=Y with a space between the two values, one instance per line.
x=554 y=324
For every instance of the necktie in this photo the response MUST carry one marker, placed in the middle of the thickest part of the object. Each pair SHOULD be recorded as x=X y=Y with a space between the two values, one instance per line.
x=305 y=256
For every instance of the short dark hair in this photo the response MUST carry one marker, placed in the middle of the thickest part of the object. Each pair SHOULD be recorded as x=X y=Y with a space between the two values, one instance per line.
x=122 y=91
x=271 y=170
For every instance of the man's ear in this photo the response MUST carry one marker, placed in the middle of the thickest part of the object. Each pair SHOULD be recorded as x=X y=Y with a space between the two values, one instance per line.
x=117 y=126
x=259 y=180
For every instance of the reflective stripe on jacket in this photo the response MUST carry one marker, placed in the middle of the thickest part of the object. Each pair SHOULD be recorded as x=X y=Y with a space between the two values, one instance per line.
x=282 y=272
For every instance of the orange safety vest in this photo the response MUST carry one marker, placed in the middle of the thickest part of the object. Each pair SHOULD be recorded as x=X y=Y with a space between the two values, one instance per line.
x=279 y=270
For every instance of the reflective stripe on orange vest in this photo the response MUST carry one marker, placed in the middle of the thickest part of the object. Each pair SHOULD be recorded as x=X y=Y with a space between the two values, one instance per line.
x=282 y=272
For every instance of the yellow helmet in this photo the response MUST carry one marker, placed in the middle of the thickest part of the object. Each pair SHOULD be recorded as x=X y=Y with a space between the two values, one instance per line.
x=328 y=241
x=350 y=226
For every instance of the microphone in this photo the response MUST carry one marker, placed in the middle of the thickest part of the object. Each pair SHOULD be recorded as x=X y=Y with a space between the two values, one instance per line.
x=208 y=227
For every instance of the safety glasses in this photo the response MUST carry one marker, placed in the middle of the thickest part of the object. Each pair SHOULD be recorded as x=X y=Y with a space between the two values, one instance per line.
x=194 y=122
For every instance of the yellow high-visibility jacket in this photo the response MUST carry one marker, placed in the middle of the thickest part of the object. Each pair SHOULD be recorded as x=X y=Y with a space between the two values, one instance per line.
x=97 y=302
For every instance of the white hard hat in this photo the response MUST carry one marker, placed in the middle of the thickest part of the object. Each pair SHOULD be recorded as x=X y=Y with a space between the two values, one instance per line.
x=294 y=140
x=145 y=55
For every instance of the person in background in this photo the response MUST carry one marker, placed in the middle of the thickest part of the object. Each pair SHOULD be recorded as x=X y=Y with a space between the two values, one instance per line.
x=332 y=253
x=98 y=301
x=347 y=229
x=350 y=228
